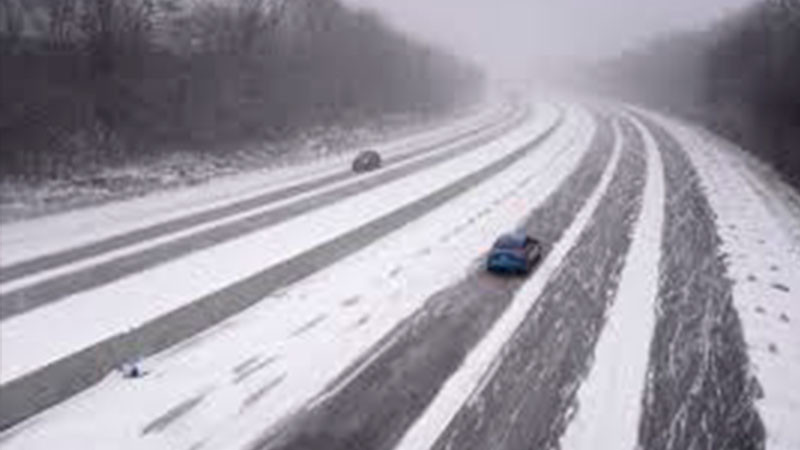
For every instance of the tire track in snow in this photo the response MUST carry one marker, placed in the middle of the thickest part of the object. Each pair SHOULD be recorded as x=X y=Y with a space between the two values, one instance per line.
x=372 y=408
x=31 y=393
x=699 y=392
x=19 y=301
x=609 y=399
x=526 y=398
x=162 y=422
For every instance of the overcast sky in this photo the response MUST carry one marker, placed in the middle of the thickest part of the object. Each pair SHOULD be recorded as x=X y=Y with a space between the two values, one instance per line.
x=512 y=35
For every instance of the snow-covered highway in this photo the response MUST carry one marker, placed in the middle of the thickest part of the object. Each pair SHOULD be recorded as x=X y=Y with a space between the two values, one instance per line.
x=322 y=310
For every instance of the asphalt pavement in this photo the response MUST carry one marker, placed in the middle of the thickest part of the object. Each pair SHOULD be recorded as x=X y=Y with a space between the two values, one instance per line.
x=700 y=394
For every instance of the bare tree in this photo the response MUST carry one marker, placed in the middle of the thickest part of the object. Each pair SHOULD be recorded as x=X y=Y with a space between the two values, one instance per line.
x=11 y=22
x=126 y=76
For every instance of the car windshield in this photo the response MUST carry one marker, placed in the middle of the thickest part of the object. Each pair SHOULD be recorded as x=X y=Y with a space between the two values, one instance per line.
x=511 y=241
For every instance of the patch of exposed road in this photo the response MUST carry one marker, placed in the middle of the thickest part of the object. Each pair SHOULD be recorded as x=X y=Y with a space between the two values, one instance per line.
x=699 y=392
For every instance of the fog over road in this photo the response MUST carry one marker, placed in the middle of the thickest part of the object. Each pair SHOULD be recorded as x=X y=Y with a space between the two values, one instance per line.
x=322 y=309
x=521 y=37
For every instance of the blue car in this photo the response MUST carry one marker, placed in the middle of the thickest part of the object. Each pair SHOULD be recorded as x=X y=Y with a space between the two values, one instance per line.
x=514 y=253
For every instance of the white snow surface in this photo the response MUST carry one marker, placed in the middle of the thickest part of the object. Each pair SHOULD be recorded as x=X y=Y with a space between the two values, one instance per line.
x=32 y=340
x=483 y=359
x=760 y=232
x=609 y=399
x=292 y=345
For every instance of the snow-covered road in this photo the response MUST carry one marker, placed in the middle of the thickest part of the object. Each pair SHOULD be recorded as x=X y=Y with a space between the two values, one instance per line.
x=319 y=310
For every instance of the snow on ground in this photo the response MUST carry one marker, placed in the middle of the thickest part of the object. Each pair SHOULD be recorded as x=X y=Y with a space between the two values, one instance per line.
x=609 y=399
x=481 y=361
x=130 y=302
x=24 y=240
x=225 y=387
x=759 y=231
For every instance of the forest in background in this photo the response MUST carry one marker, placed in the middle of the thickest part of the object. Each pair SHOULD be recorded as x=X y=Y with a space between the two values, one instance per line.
x=85 y=84
x=740 y=79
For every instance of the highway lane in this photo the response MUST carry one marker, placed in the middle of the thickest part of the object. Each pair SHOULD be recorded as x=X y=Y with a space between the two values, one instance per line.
x=375 y=407
x=699 y=392
x=31 y=393
x=24 y=299
x=525 y=401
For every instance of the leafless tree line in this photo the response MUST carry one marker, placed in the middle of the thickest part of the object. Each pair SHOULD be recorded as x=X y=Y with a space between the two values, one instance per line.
x=85 y=83
x=741 y=78
x=753 y=83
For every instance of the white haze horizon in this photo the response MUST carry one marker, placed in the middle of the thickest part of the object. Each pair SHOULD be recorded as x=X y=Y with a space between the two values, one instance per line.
x=515 y=37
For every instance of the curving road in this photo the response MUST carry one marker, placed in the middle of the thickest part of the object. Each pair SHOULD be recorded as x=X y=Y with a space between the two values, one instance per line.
x=382 y=329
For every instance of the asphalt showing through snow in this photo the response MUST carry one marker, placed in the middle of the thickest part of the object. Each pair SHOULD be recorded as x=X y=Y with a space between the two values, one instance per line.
x=58 y=287
x=699 y=392
x=527 y=400
x=376 y=407
x=31 y=393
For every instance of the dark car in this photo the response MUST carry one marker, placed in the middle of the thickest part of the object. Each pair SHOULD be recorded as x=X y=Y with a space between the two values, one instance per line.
x=366 y=161
x=515 y=253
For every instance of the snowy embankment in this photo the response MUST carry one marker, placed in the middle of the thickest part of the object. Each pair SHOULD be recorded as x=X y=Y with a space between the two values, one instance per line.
x=182 y=169
x=250 y=371
x=758 y=225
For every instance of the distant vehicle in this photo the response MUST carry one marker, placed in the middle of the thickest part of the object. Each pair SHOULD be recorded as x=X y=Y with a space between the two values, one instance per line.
x=515 y=253
x=367 y=161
